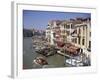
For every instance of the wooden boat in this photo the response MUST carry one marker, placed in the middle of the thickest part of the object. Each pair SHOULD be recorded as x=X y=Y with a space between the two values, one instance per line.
x=40 y=60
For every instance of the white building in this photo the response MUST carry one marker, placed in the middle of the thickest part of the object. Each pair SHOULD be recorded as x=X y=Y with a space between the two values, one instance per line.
x=77 y=32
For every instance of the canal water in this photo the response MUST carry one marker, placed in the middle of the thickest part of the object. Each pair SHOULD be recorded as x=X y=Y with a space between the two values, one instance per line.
x=29 y=55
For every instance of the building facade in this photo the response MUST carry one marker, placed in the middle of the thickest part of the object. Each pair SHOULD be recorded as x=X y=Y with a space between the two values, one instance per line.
x=82 y=35
x=76 y=31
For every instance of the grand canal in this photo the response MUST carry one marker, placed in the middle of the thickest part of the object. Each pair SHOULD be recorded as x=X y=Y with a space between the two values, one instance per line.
x=29 y=55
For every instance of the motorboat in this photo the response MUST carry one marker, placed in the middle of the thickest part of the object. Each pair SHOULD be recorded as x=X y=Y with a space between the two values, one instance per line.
x=40 y=61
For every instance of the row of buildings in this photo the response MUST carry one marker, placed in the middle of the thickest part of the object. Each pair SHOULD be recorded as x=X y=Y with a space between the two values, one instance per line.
x=75 y=31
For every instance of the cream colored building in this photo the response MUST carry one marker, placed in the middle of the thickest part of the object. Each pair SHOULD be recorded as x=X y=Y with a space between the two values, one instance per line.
x=60 y=29
x=66 y=30
x=77 y=32
x=50 y=32
x=82 y=37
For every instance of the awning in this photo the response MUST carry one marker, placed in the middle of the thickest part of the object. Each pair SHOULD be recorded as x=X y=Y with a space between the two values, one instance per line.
x=71 y=48
x=60 y=44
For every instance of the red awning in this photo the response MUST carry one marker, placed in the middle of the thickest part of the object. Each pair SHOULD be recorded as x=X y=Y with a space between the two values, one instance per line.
x=60 y=44
x=71 y=48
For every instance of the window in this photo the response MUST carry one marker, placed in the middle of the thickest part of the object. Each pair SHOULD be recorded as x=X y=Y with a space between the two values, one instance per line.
x=54 y=34
x=68 y=32
x=89 y=44
x=83 y=41
x=83 y=29
x=90 y=34
x=71 y=26
x=79 y=30
x=79 y=40
x=67 y=26
x=75 y=40
x=64 y=26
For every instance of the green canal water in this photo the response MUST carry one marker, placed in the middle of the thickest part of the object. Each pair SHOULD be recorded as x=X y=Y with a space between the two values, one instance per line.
x=29 y=55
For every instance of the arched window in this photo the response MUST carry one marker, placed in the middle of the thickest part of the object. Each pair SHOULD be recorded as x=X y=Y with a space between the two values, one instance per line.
x=83 y=41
